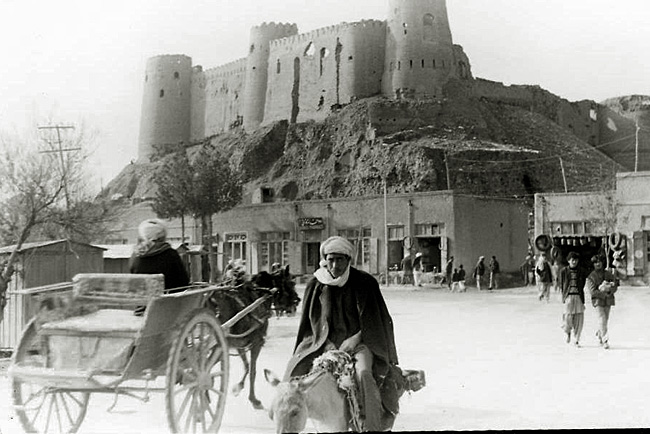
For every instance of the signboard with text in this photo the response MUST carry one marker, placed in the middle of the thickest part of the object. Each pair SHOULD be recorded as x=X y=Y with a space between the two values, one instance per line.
x=311 y=223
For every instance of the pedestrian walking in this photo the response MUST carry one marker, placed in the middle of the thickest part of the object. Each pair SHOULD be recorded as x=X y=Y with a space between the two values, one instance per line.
x=454 y=280
x=407 y=269
x=571 y=280
x=555 y=269
x=526 y=268
x=544 y=278
x=495 y=269
x=449 y=268
x=602 y=285
x=461 y=279
x=479 y=271
x=417 y=269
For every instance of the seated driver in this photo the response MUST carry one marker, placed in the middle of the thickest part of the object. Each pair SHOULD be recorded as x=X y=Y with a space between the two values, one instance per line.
x=344 y=309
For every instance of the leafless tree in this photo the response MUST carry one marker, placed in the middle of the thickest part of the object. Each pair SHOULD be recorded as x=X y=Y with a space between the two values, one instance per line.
x=43 y=195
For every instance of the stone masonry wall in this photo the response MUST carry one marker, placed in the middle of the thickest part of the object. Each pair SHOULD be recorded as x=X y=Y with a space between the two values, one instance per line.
x=310 y=72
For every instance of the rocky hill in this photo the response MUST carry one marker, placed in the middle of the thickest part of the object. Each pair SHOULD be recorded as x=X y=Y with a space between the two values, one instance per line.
x=468 y=144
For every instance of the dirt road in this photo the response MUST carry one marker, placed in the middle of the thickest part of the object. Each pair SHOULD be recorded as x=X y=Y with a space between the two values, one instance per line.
x=492 y=360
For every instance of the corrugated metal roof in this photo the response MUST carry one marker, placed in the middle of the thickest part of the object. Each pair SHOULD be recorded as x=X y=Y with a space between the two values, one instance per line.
x=117 y=251
x=37 y=244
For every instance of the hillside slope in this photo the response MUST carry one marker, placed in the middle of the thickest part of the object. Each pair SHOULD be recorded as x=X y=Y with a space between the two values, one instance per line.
x=470 y=145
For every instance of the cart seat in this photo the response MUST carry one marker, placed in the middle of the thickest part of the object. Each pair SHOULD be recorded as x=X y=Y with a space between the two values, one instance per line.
x=103 y=321
x=100 y=341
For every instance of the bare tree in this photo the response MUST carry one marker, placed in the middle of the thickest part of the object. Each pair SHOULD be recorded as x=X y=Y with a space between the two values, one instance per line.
x=42 y=196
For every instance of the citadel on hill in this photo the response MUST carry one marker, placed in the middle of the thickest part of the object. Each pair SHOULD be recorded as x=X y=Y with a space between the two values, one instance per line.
x=319 y=123
x=299 y=77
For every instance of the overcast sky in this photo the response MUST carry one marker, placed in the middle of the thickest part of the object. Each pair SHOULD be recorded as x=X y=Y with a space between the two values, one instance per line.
x=83 y=60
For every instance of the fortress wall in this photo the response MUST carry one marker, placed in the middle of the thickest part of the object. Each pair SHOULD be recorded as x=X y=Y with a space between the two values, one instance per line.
x=419 y=49
x=369 y=52
x=224 y=87
x=197 y=109
x=497 y=91
x=166 y=103
x=461 y=64
x=257 y=69
x=310 y=72
x=579 y=117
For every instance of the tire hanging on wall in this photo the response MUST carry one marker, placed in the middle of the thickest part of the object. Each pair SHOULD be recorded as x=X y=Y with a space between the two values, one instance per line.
x=555 y=253
x=543 y=242
x=615 y=240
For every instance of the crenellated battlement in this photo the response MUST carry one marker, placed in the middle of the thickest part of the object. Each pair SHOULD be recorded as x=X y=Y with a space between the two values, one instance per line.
x=284 y=27
x=231 y=68
x=326 y=31
x=275 y=81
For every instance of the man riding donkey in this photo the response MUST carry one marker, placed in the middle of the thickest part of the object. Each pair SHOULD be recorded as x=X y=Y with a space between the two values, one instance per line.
x=344 y=310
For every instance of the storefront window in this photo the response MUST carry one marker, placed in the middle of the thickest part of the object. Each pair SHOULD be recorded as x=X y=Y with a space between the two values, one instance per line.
x=234 y=246
x=395 y=245
x=274 y=248
x=360 y=238
x=427 y=229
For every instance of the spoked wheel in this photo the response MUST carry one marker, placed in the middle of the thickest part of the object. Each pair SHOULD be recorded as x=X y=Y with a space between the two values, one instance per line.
x=44 y=409
x=197 y=375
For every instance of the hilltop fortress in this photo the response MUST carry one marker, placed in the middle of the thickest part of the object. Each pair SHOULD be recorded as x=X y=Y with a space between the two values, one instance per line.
x=410 y=57
x=299 y=77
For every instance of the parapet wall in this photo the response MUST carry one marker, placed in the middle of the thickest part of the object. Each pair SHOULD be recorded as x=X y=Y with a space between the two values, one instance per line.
x=217 y=102
x=579 y=117
x=311 y=72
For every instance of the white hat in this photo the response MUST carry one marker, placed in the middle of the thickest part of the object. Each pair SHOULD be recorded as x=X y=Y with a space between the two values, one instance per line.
x=336 y=245
x=152 y=230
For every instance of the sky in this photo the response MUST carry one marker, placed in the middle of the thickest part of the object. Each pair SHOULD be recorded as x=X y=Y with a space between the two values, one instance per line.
x=81 y=62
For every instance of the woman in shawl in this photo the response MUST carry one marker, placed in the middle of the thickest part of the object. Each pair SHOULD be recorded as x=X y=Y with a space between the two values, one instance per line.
x=153 y=255
x=344 y=309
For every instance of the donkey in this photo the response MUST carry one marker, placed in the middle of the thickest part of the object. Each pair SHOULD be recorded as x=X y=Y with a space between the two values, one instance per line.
x=326 y=395
x=248 y=334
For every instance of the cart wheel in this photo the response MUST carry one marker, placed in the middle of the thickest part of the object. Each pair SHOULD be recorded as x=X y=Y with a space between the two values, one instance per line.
x=41 y=408
x=197 y=375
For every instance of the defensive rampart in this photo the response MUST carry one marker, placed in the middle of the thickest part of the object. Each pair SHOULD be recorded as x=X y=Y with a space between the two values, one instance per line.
x=311 y=72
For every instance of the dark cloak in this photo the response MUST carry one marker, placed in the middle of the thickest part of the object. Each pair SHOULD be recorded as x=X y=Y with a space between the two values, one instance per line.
x=375 y=323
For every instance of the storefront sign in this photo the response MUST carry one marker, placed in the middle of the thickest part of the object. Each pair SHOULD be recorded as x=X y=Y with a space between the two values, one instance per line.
x=309 y=223
x=235 y=237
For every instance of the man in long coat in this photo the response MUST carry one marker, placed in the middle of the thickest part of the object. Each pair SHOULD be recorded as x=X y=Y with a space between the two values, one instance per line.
x=344 y=309
x=602 y=285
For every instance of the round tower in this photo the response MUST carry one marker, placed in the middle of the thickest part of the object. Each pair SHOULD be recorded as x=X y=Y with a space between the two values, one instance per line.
x=419 y=49
x=166 y=101
x=257 y=65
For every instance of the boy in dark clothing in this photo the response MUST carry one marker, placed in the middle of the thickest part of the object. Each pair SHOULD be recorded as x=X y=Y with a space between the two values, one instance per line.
x=571 y=281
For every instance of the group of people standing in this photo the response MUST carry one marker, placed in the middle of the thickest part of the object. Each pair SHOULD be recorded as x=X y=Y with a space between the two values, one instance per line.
x=601 y=285
x=493 y=268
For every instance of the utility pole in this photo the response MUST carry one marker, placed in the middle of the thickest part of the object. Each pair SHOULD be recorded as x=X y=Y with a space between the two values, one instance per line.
x=56 y=146
x=636 y=147
x=566 y=190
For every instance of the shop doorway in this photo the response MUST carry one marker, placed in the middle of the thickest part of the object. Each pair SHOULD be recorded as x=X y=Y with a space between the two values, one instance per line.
x=310 y=257
x=431 y=253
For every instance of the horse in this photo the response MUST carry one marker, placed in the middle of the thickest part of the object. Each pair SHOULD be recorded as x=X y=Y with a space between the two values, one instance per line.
x=326 y=395
x=248 y=334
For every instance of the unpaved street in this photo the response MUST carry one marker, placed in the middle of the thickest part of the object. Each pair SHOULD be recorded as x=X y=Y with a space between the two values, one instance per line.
x=492 y=360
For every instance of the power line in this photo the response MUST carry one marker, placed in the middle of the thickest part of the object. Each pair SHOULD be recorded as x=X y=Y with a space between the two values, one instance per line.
x=57 y=147
x=537 y=159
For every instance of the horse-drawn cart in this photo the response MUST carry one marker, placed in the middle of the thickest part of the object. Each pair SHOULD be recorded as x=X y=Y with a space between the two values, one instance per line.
x=87 y=339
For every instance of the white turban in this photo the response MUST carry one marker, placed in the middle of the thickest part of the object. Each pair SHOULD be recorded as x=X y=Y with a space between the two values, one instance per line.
x=152 y=230
x=336 y=245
